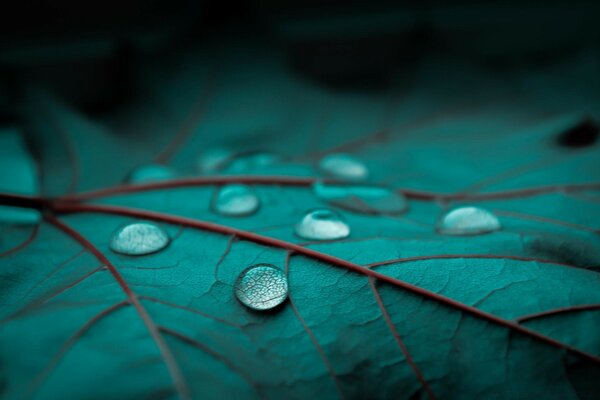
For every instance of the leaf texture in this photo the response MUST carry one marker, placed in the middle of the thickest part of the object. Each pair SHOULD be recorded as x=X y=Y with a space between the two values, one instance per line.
x=394 y=311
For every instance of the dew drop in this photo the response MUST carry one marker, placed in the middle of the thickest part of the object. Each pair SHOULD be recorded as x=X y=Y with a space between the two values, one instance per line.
x=343 y=166
x=150 y=173
x=213 y=160
x=362 y=199
x=468 y=221
x=322 y=224
x=139 y=238
x=261 y=287
x=235 y=200
x=250 y=161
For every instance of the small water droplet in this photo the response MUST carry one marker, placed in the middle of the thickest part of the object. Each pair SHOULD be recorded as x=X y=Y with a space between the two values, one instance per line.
x=322 y=224
x=261 y=287
x=150 y=173
x=468 y=221
x=213 y=160
x=139 y=238
x=254 y=160
x=362 y=199
x=235 y=200
x=343 y=166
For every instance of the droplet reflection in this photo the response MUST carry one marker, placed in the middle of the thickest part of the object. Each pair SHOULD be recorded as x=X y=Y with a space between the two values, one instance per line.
x=362 y=199
x=261 y=287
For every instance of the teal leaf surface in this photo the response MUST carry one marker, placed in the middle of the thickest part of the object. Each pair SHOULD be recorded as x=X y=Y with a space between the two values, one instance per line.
x=395 y=310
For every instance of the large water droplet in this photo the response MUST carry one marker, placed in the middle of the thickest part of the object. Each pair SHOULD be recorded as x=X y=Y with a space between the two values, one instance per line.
x=362 y=199
x=235 y=200
x=322 y=224
x=468 y=221
x=343 y=166
x=150 y=173
x=261 y=287
x=139 y=238
x=213 y=160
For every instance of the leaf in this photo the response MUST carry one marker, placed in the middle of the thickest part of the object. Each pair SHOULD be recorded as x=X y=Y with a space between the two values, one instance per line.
x=394 y=311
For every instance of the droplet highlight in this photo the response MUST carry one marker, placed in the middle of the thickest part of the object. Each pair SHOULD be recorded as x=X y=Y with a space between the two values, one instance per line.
x=468 y=221
x=261 y=287
x=235 y=200
x=343 y=166
x=213 y=160
x=139 y=238
x=151 y=173
x=362 y=199
x=322 y=224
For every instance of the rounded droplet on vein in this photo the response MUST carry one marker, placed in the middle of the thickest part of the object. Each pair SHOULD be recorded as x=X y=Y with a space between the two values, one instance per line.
x=362 y=199
x=468 y=221
x=343 y=166
x=322 y=224
x=261 y=287
x=235 y=200
x=139 y=238
x=150 y=173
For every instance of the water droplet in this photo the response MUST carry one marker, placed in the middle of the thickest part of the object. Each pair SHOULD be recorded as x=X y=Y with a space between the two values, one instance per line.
x=261 y=287
x=468 y=221
x=150 y=173
x=322 y=224
x=139 y=238
x=362 y=199
x=343 y=166
x=213 y=160
x=249 y=161
x=235 y=200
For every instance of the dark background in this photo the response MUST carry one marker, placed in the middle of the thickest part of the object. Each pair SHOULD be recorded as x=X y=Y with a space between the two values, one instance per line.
x=87 y=52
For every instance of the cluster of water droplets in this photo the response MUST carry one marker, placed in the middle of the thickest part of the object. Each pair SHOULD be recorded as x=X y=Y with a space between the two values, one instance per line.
x=265 y=286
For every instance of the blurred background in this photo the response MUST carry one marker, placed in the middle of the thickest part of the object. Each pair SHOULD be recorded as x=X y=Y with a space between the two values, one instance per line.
x=90 y=52
x=166 y=80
